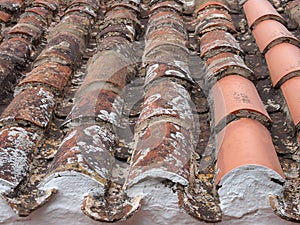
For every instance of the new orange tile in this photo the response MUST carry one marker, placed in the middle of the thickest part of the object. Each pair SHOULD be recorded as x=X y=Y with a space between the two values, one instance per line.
x=245 y=142
x=270 y=32
x=259 y=10
x=290 y=90
x=283 y=62
x=233 y=95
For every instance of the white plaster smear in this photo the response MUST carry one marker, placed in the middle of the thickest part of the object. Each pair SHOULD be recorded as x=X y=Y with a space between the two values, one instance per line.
x=243 y=196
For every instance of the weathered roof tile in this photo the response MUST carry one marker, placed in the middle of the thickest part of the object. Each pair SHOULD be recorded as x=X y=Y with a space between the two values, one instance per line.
x=218 y=41
x=16 y=147
x=51 y=74
x=33 y=106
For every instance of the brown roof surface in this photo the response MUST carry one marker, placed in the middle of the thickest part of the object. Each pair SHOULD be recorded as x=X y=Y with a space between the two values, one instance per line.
x=133 y=108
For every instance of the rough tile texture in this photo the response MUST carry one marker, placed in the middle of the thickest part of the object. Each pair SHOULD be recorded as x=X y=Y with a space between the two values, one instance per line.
x=117 y=111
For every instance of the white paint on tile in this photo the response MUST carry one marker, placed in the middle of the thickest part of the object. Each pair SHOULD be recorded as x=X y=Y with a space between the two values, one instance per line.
x=159 y=205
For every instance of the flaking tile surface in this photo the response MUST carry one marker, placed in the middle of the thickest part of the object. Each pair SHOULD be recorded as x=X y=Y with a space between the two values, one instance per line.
x=87 y=86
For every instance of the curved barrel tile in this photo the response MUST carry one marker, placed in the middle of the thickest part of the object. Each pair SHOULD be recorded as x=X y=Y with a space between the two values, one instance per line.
x=31 y=107
x=245 y=142
x=269 y=33
x=290 y=91
x=235 y=97
x=163 y=150
x=283 y=68
x=224 y=64
x=259 y=10
x=166 y=100
x=16 y=147
x=218 y=41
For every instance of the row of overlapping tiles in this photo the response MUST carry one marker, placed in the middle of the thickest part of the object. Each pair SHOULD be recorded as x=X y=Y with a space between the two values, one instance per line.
x=25 y=119
x=163 y=135
x=238 y=112
x=239 y=116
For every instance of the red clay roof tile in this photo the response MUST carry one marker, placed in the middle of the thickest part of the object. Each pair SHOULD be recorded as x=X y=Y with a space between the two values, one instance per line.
x=17 y=49
x=51 y=74
x=4 y=17
x=33 y=106
x=235 y=96
x=210 y=4
x=283 y=68
x=293 y=9
x=86 y=149
x=270 y=32
x=159 y=70
x=29 y=31
x=45 y=14
x=11 y=5
x=110 y=67
x=52 y=5
x=16 y=147
x=259 y=10
x=226 y=63
x=214 y=24
x=165 y=5
x=245 y=142
x=96 y=105
x=218 y=41
x=168 y=100
x=290 y=90
x=162 y=150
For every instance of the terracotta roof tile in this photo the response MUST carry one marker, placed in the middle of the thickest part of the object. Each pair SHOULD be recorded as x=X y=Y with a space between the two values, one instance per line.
x=210 y=4
x=50 y=74
x=169 y=100
x=218 y=41
x=290 y=93
x=44 y=14
x=8 y=49
x=259 y=10
x=162 y=150
x=4 y=17
x=235 y=97
x=32 y=106
x=224 y=64
x=17 y=145
x=11 y=5
x=270 y=32
x=293 y=9
x=52 y=5
x=245 y=142
x=86 y=149
x=119 y=117
x=283 y=68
